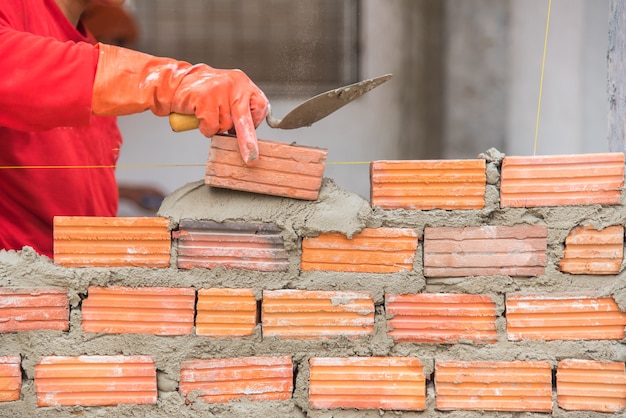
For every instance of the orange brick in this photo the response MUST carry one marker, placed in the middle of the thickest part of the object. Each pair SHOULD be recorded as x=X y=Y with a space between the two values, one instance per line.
x=237 y=245
x=223 y=380
x=563 y=316
x=111 y=242
x=146 y=310
x=226 y=312
x=441 y=318
x=281 y=170
x=95 y=381
x=558 y=180
x=584 y=385
x=302 y=314
x=373 y=250
x=10 y=378
x=589 y=251
x=389 y=383
x=34 y=309
x=485 y=251
x=428 y=184
x=493 y=386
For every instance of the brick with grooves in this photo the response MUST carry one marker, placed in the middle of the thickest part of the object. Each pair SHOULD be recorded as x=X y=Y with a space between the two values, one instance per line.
x=428 y=184
x=10 y=378
x=388 y=383
x=34 y=309
x=441 y=318
x=589 y=251
x=227 y=379
x=373 y=250
x=485 y=250
x=226 y=312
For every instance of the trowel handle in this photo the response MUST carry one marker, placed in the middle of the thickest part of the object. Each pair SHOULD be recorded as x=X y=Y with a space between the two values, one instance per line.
x=181 y=123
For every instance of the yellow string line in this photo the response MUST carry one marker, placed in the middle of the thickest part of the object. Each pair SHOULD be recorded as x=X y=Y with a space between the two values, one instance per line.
x=543 y=65
x=126 y=166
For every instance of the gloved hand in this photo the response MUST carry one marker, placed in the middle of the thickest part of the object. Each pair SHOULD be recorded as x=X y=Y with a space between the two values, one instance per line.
x=130 y=82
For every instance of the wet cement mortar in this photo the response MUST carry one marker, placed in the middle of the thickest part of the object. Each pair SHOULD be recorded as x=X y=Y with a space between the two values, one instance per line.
x=336 y=210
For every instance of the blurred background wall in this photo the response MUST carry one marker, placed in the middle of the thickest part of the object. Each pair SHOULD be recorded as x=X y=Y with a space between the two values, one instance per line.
x=466 y=78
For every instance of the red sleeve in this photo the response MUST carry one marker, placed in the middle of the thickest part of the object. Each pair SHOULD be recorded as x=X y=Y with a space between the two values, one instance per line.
x=44 y=83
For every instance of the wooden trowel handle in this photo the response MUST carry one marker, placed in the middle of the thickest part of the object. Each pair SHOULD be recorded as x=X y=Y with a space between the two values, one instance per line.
x=180 y=122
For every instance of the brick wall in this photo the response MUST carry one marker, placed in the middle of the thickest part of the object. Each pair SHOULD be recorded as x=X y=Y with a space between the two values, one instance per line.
x=480 y=287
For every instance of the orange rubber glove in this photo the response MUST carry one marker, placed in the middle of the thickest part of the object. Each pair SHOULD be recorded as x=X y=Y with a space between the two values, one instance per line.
x=130 y=82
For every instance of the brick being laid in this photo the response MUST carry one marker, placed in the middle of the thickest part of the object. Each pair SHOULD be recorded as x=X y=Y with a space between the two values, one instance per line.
x=563 y=316
x=440 y=318
x=285 y=170
x=10 y=378
x=428 y=184
x=226 y=312
x=558 y=180
x=386 y=383
x=233 y=245
x=485 y=251
x=589 y=251
x=373 y=250
x=95 y=381
x=310 y=314
x=586 y=385
x=142 y=310
x=83 y=241
x=524 y=386
x=226 y=379
x=34 y=309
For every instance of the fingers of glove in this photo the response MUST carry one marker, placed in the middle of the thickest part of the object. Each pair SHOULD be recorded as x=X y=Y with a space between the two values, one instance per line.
x=246 y=134
x=259 y=106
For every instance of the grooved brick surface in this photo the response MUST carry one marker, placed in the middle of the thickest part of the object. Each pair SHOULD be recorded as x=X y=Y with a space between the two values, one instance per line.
x=252 y=378
x=428 y=184
x=34 y=309
x=558 y=180
x=589 y=251
x=83 y=241
x=585 y=385
x=388 y=383
x=10 y=378
x=95 y=381
x=441 y=318
x=485 y=250
x=563 y=316
x=493 y=386
x=239 y=245
x=226 y=312
x=282 y=170
x=309 y=314
x=373 y=250
x=147 y=310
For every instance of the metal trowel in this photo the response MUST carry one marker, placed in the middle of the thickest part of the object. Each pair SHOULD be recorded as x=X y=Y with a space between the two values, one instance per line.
x=306 y=113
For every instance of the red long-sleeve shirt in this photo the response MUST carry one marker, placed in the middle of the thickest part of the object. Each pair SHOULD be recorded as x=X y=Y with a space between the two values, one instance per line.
x=47 y=68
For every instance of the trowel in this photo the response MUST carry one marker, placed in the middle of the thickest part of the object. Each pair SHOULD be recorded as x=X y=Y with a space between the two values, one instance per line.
x=306 y=113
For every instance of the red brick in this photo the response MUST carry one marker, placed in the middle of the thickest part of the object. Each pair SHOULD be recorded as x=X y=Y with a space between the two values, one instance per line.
x=95 y=381
x=226 y=312
x=111 y=242
x=373 y=250
x=428 y=184
x=235 y=245
x=145 y=310
x=589 y=251
x=34 y=309
x=388 y=383
x=563 y=316
x=285 y=170
x=493 y=386
x=302 y=314
x=485 y=251
x=558 y=180
x=585 y=385
x=441 y=318
x=227 y=379
x=10 y=378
